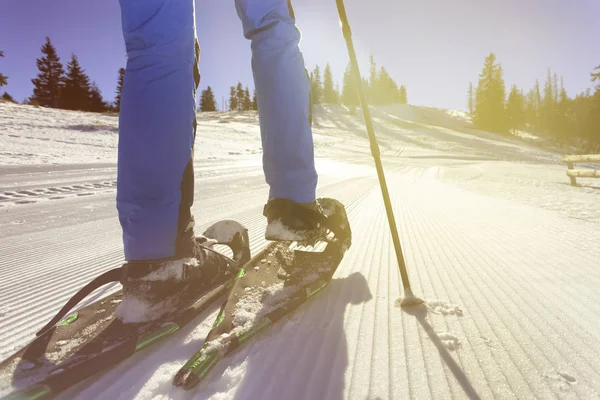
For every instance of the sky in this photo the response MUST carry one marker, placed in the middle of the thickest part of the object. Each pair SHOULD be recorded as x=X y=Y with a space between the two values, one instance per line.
x=433 y=47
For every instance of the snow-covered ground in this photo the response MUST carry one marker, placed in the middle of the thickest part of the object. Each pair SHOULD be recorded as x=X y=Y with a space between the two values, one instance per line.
x=503 y=249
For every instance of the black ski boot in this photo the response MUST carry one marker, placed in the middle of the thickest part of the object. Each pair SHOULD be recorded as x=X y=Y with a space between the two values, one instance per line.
x=153 y=288
x=291 y=221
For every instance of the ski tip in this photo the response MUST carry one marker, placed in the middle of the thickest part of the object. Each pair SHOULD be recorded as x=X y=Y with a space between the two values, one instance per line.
x=191 y=374
x=186 y=379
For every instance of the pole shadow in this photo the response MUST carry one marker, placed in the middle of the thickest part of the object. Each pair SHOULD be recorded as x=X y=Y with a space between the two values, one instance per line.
x=420 y=313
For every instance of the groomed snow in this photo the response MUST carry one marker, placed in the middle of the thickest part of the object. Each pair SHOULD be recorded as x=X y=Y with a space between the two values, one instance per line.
x=499 y=245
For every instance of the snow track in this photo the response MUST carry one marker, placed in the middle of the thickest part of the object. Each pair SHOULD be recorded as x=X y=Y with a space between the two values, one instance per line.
x=503 y=318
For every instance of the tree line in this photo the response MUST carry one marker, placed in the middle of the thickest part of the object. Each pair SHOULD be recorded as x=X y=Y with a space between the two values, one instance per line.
x=381 y=89
x=74 y=90
x=239 y=99
x=547 y=111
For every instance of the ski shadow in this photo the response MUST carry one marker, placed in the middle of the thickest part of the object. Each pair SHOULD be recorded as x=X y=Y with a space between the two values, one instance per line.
x=420 y=313
x=317 y=347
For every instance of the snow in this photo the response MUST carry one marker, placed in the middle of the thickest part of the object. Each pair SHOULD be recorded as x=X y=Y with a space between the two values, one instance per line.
x=443 y=307
x=133 y=309
x=223 y=231
x=503 y=250
x=278 y=231
x=170 y=270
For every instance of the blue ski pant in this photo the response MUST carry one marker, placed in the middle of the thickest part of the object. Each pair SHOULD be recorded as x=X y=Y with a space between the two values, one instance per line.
x=157 y=123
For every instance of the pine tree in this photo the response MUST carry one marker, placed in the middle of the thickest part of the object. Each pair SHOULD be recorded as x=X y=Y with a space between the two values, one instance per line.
x=8 y=97
x=490 y=97
x=387 y=89
x=96 y=102
x=247 y=104
x=515 y=109
x=471 y=101
x=594 y=115
x=563 y=118
x=555 y=90
x=533 y=107
x=254 y=105
x=207 y=100
x=499 y=100
x=349 y=90
x=547 y=110
x=239 y=95
x=120 y=81
x=50 y=79
x=3 y=78
x=233 y=103
x=76 y=92
x=329 y=95
x=373 y=86
x=402 y=96
x=595 y=75
x=317 y=86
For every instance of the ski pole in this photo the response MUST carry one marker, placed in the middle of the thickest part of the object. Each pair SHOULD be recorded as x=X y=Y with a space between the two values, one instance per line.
x=409 y=298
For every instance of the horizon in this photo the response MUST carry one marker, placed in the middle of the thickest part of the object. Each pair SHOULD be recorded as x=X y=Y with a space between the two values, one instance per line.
x=409 y=40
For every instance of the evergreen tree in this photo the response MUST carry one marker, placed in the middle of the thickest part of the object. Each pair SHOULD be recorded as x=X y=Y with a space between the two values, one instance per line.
x=239 y=95
x=386 y=89
x=403 y=96
x=555 y=90
x=3 y=78
x=547 y=110
x=471 y=101
x=120 y=80
x=317 y=86
x=563 y=119
x=207 y=100
x=96 y=102
x=499 y=99
x=8 y=97
x=533 y=106
x=76 y=92
x=338 y=94
x=595 y=74
x=49 y=81
x=515 y=109
x=349 y=90
x=329 y=94
x=490 y=97
x=254 y=105
x=594 y=115
x=247 y=104
x=373 y=85
x=233 y=103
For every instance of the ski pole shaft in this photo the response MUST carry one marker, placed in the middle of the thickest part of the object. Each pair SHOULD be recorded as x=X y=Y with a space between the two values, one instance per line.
x=374 y=146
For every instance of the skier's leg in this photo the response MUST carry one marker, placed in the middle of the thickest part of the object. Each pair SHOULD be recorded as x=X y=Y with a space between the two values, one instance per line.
x=157 y=129
x=283 y=91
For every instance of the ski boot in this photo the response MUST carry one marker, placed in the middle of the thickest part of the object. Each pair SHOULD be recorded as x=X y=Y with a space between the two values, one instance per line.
x=153 y=288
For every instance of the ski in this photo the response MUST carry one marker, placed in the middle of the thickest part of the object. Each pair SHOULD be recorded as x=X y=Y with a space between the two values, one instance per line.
x=270 y=286
x=76 y=345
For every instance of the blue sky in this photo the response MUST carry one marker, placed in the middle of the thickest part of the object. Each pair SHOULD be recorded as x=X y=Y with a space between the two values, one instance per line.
x=434 y=47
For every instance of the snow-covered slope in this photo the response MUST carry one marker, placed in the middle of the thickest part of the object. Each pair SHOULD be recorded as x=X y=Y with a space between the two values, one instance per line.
x=501 y=247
